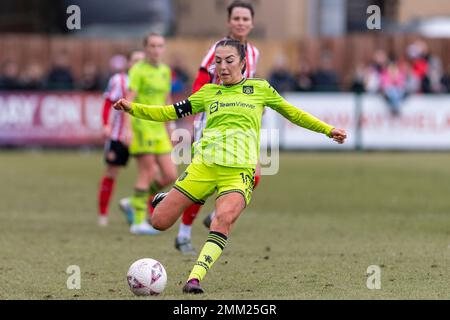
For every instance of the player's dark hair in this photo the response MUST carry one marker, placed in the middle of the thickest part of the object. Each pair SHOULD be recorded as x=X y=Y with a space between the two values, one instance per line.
x=151 y=34
x=240 y=48
x=240 y=4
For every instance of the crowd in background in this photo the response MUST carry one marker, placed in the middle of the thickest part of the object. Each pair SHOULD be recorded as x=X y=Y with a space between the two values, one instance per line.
x=58 y=77
x=61 y=77
x=417 y=71
x=323 y=79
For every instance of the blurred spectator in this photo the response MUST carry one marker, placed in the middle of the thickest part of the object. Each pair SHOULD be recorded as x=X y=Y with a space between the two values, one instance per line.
x=33 y=77
x=180 y=77
x=326 y=78
x=9 y=76
x=413 y=83
x=393 y=84
x=372 y=78
x=358 y=84
x=426 y=67
x=60 y=76
x=280 y=77
x=117 y=64
x=90 y=78
x=432 y=80
x=303 y=78
x=416 y=53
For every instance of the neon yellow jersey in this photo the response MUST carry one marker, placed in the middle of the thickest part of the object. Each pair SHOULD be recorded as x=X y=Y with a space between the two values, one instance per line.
x=233 y=119
x=152 y=85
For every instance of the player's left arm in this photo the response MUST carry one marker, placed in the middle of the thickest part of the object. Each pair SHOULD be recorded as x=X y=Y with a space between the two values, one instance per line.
x=302 y=118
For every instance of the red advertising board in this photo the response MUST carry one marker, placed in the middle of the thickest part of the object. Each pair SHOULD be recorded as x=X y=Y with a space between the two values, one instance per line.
x=50 y=119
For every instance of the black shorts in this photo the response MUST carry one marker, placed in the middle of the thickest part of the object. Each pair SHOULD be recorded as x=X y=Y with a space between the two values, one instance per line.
x=116 y=153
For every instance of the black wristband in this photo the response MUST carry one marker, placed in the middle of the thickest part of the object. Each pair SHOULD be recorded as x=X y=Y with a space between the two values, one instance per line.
x=183 y=108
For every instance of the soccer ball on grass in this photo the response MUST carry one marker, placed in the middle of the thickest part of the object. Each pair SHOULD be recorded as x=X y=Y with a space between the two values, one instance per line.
x=147 y=277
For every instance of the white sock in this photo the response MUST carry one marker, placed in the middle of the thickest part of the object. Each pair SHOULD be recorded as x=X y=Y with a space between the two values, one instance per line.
x=184 y=231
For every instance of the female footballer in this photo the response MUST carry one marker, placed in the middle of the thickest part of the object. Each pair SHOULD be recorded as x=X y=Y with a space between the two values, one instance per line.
x=116 y=132
x=240 y=24
x=150 y=83
x=225 y=157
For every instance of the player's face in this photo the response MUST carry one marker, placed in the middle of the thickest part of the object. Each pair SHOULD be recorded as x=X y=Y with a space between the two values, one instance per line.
x=155 y=48
x=228 y=64
x=240 y=23
x=136 y=57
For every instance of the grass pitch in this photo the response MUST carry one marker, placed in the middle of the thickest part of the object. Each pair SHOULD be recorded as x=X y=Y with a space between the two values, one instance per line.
x=310 y=232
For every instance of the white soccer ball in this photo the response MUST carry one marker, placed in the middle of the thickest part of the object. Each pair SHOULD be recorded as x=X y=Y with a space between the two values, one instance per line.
x=147 y=277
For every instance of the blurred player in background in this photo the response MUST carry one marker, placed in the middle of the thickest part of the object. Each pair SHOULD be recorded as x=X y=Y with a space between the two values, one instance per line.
x=116 y=130
x=240 y=23
x=232 y=177
x=149 y=83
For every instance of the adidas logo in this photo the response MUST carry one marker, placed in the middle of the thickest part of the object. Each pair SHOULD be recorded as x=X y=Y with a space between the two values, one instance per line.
x=218 y=92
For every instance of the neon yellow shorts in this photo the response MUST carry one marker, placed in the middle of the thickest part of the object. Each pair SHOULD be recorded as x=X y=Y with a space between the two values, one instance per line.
x=146 y=142
x=201 y=180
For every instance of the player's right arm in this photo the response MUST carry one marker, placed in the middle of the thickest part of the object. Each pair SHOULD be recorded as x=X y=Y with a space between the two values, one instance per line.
x=192 y=105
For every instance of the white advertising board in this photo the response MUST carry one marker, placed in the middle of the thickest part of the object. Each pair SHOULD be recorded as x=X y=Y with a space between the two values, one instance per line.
x=424 y=122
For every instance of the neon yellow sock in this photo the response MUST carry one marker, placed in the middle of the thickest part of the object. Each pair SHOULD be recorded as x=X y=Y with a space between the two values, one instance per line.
x=139 y=203
x=211 y=251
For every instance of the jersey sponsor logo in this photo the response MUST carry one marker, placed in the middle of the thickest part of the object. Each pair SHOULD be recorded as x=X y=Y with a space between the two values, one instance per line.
x=247 y=89
x=213 y=107
x=218 y=93
x=237 y=104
